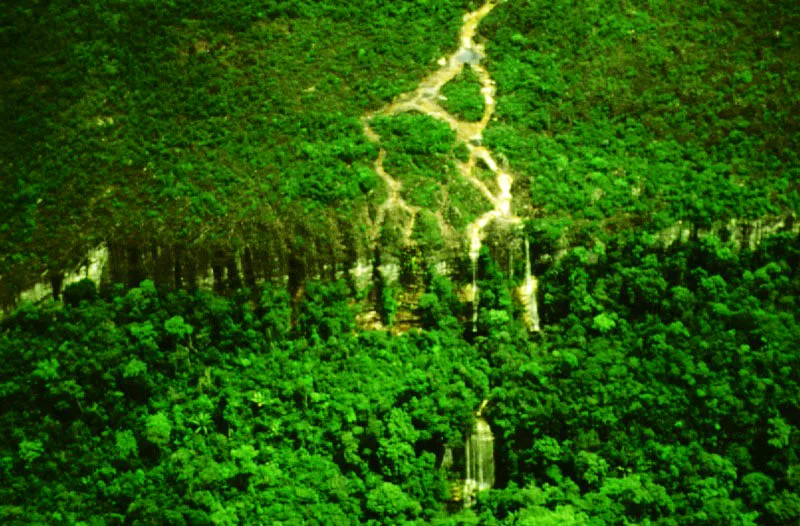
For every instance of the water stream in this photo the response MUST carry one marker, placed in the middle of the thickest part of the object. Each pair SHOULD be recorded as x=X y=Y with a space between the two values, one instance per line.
x=527 y=294
x=93 y=267
x=425 y=99
x=480 y=459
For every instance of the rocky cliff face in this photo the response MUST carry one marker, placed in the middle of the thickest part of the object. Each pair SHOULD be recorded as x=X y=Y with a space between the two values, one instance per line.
x=291 y=258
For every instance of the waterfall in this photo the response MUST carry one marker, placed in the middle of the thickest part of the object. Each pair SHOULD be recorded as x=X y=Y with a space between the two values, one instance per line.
x=527 y=294
x=362 y=274
x=474 y=260
x=447 y=459
x=475 y=243
x=480 y=459
x=94 y=267
x=426 y=99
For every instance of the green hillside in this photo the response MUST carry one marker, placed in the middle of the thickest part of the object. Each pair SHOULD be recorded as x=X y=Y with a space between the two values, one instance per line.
x=331 y=241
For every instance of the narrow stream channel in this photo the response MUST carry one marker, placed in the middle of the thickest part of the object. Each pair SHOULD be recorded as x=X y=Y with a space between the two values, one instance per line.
x=425 y=100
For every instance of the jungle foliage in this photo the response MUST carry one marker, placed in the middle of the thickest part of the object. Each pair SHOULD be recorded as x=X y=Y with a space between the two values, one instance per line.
x=463 y=97
x=644 y=113
x=183 y=121
x=664 y=391
x=198 y=124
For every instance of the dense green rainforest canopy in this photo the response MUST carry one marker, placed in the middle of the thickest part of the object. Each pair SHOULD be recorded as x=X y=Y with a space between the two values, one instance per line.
x=663 y=389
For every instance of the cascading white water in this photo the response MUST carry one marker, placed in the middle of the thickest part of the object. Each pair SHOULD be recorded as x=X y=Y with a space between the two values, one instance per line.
x=474 y=253
x=362 y=274
x=479 y=459
x=447 y=459
x=93 y=268
x=425 y=99
x=527 y=294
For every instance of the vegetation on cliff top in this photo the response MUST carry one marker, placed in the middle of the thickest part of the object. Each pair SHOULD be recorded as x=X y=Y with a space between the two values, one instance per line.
x=174 y=122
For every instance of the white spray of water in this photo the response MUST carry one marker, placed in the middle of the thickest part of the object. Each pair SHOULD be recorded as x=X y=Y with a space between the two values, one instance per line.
x=93 y=268
x=480 y=459
x=425 y=99
x=527 y=294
